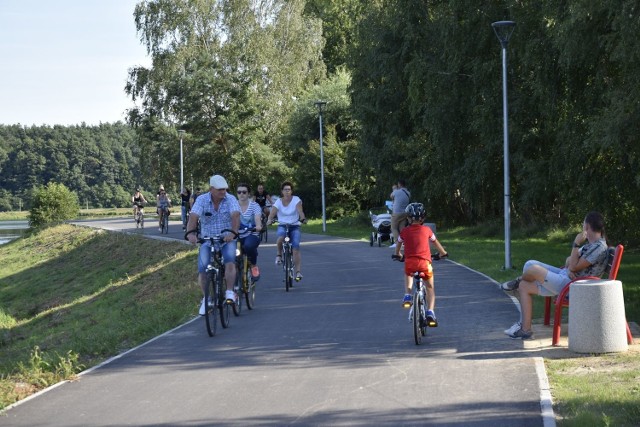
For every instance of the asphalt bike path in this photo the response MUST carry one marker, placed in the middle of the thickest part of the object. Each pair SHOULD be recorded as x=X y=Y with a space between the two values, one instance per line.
x=337 y=349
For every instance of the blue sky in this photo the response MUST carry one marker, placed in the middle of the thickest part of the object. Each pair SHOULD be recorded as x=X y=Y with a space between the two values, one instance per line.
x=66 y=61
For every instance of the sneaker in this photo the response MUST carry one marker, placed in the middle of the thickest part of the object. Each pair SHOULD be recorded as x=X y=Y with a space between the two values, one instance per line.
x=406 y=301
x=278 y=259
x=255 y=273
x=521 y=334
x=298 y=276
x=231 y=296
x=511 y=285
x=513 y=329
x=160 y=229
x=393 y=246
x=431 y=319
x=203 y=308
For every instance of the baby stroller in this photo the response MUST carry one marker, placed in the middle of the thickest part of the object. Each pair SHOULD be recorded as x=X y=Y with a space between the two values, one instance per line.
x=382 y=228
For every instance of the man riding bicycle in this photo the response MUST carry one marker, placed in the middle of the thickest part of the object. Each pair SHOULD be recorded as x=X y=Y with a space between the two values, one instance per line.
x=216 y=211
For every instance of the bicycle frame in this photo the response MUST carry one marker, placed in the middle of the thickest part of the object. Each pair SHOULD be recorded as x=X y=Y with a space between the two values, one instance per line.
x=244 y=281
x=216 y=285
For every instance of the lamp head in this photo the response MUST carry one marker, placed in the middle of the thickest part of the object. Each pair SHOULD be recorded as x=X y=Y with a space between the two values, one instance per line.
x=320 y=104
x=503 y=30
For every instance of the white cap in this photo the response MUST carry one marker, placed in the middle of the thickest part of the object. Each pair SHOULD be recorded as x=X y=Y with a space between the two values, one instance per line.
x=218 y=182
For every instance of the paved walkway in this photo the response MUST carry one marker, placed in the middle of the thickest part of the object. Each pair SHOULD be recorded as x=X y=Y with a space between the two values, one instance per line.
x=336 y=350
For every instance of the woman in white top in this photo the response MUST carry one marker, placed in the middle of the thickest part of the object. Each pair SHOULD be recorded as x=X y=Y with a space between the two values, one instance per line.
x=250 y=216
x=288 y=208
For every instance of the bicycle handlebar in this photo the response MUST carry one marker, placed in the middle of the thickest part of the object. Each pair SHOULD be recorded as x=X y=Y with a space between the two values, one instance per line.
x=435 y=257
x=213 y=239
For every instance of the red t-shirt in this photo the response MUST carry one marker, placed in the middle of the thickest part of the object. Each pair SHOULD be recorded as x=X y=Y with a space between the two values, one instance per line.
x=417 y=252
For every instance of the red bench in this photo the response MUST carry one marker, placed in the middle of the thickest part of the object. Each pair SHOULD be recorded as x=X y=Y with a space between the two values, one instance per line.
x=562 y=299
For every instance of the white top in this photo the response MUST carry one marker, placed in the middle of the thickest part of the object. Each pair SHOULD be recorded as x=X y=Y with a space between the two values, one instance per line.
x=288 y=214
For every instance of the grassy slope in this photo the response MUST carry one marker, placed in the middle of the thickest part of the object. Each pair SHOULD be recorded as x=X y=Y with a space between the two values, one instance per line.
x=60 y=287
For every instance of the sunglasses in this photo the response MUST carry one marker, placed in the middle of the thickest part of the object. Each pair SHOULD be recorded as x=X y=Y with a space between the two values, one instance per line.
x=242 y=191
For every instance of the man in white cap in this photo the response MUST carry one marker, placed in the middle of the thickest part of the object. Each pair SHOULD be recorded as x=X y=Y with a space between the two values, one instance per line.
x=216 y=211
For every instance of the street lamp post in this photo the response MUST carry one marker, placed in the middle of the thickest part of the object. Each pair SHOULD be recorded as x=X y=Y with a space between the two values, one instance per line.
x=503 y=30
x=181 y=133
x=321 y=105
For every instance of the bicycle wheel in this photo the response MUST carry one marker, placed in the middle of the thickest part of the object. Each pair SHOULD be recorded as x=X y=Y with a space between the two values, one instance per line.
x=211 y=309
x=237 y=307
x=249 y=290
x=416 y=318
x=141 y=220
x=223 y=306
x=288 y=269
x=165 y=223
x=423 y=313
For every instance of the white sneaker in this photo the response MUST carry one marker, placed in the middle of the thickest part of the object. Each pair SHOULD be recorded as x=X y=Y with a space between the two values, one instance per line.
x=230 y=295
x=513 y=329
x=393 y=246
x=203 y=308
x=160 y=229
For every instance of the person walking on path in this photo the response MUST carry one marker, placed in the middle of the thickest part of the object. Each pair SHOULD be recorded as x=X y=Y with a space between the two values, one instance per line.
x=400 y=197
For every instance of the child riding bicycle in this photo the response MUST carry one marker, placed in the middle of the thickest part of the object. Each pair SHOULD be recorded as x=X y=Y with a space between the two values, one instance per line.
x=417 y=256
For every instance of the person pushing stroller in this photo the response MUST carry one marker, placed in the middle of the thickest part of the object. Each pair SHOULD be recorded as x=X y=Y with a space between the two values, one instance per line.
x=417 y=256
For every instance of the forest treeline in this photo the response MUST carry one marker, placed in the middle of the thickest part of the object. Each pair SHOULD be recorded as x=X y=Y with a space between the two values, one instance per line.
x=413 y=91
x=98 y=163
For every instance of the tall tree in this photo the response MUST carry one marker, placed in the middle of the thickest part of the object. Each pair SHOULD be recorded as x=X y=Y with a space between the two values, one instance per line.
x=226 y=72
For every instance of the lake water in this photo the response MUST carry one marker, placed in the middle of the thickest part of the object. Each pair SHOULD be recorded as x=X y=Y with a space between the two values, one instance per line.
x=10 y=230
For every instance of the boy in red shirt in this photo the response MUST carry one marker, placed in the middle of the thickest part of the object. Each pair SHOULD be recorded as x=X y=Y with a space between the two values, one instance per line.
x=417 y=256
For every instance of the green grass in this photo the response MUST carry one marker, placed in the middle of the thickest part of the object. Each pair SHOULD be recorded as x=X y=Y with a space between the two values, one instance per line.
x=53 y=308
x=59 y=288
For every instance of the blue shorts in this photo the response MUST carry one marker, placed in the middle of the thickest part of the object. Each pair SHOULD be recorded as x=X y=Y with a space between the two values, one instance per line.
x=555 y=280
x=204 y=257
x=294 y=233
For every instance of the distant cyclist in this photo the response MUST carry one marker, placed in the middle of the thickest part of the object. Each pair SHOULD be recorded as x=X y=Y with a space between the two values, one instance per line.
x=164 y=203
x=138 y=201
x=263 y=199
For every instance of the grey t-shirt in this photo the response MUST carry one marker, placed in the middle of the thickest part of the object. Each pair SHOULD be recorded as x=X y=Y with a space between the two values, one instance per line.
x=596 y=254
x=400 y=200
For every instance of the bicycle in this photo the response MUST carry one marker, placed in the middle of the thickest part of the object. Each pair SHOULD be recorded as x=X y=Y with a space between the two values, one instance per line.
x=264 y=232
x=418 y=311
x=214 y=293
x=138 y=216
x=164 y=220
x=244 y=279
x=287 y=257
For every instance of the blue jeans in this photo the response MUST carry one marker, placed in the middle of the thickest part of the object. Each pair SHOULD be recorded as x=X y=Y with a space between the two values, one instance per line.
x=294 y=233
x=204 y=256
x=250 y=245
